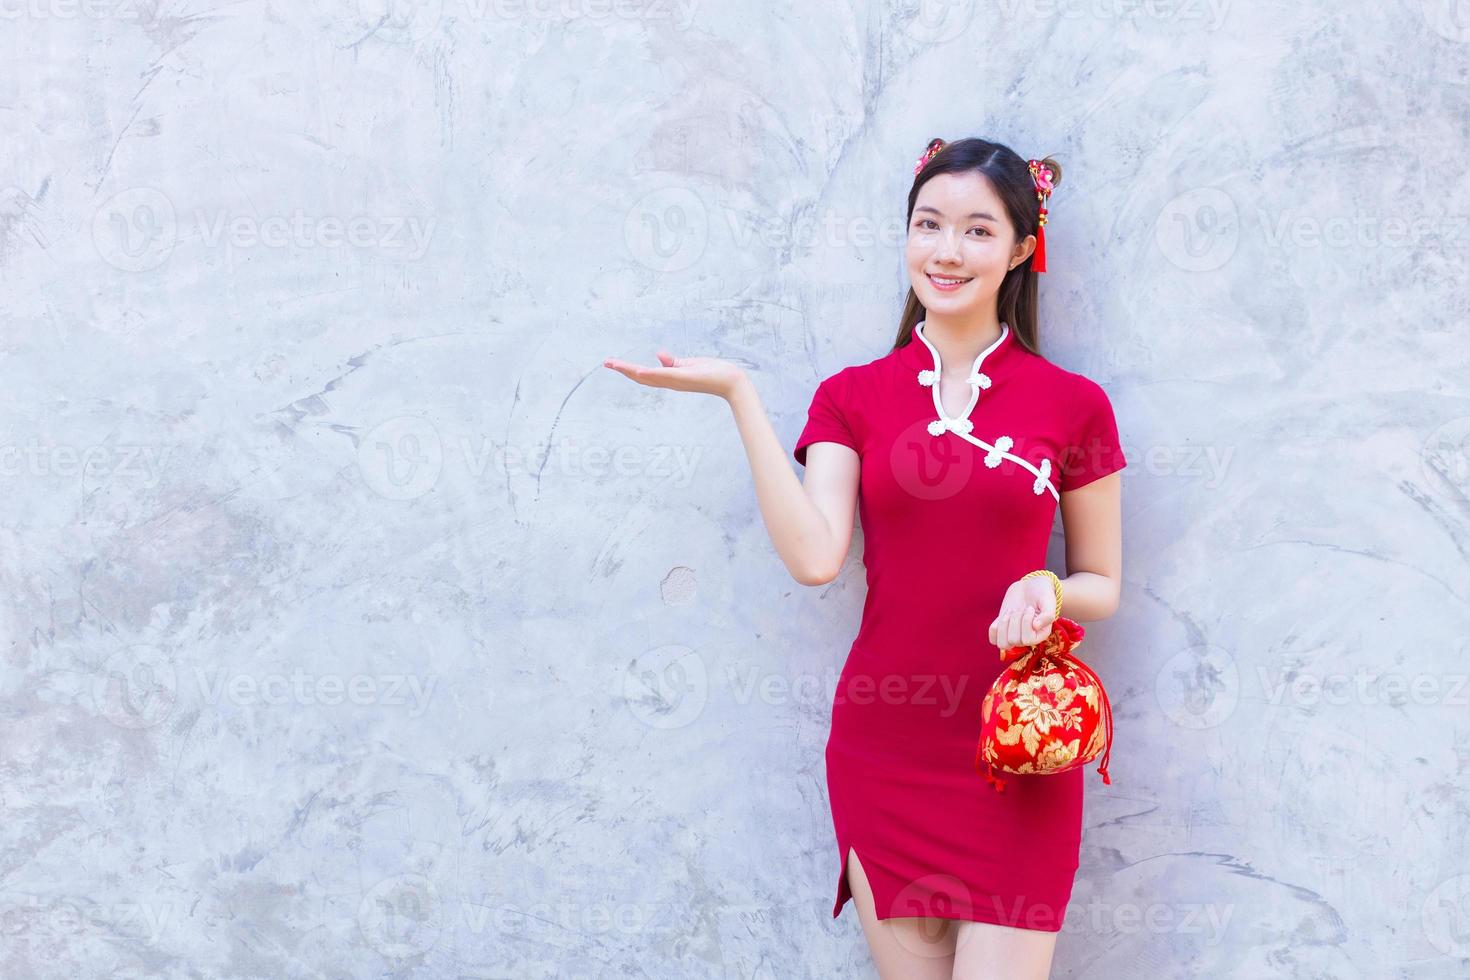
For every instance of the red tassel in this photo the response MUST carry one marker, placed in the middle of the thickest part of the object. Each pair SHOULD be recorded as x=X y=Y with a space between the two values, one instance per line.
x=1038 y=259
x=1107 y=713
x=990 y=778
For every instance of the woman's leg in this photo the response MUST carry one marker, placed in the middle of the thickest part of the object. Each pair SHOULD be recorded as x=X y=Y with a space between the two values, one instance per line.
x=912 y=948
x=985 y=951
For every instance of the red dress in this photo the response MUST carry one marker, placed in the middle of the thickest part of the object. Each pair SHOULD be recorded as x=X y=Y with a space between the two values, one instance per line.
x=953 y=511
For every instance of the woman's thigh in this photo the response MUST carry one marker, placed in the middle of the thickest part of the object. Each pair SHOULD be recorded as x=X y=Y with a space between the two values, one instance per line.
x=985 y=951
x=911 y=948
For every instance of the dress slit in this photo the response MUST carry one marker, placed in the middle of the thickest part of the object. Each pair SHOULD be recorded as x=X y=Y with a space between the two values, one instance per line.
x=878 y=883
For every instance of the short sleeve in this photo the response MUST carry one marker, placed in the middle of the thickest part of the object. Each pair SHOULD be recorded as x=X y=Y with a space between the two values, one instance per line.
x=1094 y=450
x=827 y=419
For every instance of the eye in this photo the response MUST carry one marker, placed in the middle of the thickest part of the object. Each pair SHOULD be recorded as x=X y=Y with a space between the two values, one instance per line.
x=985 y=230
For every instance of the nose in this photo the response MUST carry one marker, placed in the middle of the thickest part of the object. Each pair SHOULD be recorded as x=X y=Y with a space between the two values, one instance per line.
x=947 y=250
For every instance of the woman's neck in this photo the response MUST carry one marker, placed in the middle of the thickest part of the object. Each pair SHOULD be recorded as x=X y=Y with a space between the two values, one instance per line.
x=960 y=341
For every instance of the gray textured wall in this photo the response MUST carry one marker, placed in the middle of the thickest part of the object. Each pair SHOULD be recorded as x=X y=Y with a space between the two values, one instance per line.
x=358 y=623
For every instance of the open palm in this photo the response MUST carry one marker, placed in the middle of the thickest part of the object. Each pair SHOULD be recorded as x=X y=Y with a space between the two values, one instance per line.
x=710 y=375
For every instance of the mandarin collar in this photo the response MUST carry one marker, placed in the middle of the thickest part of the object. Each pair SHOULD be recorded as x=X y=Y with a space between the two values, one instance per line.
x=918 y=355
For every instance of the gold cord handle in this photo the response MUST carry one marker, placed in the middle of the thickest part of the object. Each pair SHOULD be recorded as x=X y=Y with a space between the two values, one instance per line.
x=1056 y=585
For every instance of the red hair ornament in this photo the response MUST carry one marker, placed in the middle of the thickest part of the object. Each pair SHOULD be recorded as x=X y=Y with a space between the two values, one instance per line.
x=1046 y=713
x=1041 y=178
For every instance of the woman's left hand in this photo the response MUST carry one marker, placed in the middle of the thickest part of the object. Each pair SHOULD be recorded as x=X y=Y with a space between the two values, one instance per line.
x=1026 y=614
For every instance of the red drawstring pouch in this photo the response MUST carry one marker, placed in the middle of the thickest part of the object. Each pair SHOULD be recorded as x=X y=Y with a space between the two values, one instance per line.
x=1046 y=713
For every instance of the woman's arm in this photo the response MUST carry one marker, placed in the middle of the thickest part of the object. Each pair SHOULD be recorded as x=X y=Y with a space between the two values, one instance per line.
x=1092 y=522
x=810 y=524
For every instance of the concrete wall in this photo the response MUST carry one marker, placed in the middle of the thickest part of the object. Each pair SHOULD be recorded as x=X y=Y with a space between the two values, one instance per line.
x=357 y=622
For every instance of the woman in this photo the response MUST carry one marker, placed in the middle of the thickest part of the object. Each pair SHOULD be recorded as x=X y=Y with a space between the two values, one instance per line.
x=958 y=446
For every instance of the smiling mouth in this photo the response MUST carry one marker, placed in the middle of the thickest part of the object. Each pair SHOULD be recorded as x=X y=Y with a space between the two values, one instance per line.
x=947 y=280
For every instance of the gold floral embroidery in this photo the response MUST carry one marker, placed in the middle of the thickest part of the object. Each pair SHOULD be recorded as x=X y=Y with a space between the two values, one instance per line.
x=1057 y=754
x=1036 y=708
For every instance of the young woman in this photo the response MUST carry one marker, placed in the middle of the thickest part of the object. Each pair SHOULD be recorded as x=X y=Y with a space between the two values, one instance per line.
x=957 y=447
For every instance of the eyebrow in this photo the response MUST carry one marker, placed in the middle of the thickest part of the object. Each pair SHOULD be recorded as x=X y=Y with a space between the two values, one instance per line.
x=982 y=215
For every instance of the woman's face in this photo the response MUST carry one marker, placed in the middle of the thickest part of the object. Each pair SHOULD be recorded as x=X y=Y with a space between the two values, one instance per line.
x=960 y=230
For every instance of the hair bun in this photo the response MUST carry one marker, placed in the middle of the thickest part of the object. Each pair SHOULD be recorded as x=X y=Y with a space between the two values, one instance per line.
x=1055 y=168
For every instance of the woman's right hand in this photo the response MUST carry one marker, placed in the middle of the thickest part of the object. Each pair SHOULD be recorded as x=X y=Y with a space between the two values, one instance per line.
x=710 y=375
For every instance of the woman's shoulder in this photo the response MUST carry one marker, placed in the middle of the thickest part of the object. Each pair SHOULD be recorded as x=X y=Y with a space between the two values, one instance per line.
x=1074 y=385
x=862 y=371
